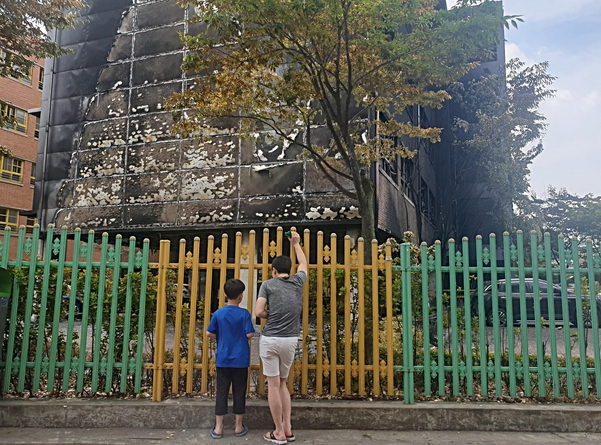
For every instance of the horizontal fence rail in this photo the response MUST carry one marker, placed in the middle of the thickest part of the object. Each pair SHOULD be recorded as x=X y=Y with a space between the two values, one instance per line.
x=509 y=317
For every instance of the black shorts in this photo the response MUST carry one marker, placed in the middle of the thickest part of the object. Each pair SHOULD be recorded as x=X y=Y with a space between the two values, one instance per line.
x=237 y=378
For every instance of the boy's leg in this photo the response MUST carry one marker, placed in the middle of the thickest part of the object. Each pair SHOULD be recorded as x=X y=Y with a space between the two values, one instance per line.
x=286 y=407
x=269 y=351
x=223 y=389
x=275 y=406
x=287 y=349
x=239 y=381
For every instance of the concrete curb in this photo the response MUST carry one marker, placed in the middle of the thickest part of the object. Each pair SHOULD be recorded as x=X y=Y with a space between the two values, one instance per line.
x=310 y=415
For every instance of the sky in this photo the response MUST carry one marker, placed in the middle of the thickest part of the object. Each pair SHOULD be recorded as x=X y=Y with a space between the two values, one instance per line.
x=567 y=34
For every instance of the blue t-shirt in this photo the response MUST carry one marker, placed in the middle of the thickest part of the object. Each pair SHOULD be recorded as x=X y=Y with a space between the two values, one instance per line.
x=231 y=324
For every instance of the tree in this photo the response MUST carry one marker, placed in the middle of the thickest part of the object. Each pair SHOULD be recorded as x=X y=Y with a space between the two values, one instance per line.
x=305 y=67
x=497 y=133
x=563 y=213
x=23 y=35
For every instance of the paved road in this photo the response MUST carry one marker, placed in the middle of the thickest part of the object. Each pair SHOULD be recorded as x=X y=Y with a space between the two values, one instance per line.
x=574 y=344
x=34 y=436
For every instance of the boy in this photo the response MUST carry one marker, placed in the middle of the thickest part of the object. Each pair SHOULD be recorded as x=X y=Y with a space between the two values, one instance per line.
x=231 y=326
x=279 y=338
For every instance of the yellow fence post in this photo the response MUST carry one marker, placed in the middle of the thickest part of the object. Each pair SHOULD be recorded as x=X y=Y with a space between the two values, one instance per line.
x=293 y=370
x=264 y=277
x=207 y=315
x=178 y=316
x=161 y=319
x=319 y=298
x=251 y=290
x=361 y=314
x=193 y=306
x=389 y=336
x=374 y=314
x=347 y=315
x=305 y=363
x=222 y=262
x=237 y=250
x=333 y=313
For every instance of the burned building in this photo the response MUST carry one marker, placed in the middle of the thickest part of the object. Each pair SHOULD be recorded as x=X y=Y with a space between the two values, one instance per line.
x=108 y=161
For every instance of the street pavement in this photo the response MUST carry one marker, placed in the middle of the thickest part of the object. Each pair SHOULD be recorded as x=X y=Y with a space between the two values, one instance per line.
x=124 y=436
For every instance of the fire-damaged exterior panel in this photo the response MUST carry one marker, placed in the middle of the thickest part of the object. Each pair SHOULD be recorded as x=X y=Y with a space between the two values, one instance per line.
x=157 y=69
x=150 y=99
x=97 y=218
x=104 y=134
x=158 y=40
x=316 y=181
x=150 y=128
x=114 y=76
x=150 y=215
x=121 y=48
x=214 y=183
x=109 y=161
x=149 y=188
x=103 y=162
x=98 y=192
x=152 y=158
x=156 y=14
x=199 y=213
x=215 y=152
x=330 y=207
x=271 y=209
x=272 y=179
x=108 y=105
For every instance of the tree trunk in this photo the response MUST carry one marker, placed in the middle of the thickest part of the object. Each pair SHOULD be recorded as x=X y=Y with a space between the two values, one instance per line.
x=366 y=198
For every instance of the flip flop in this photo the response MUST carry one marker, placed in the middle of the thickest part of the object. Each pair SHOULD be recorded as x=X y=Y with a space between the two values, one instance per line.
x=243 y=432
x=271 y=438
x=291 y=438
x=214 y=435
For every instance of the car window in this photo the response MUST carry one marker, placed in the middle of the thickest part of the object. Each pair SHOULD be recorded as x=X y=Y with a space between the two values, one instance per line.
x=515 y=288
x=529 y=287
x=501 y=287
x=542 y=287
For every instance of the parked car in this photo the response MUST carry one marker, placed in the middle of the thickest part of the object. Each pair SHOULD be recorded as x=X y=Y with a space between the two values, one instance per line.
x=530 y=296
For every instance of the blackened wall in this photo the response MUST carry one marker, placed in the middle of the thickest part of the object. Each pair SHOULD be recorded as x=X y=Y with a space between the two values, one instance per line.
x=69 y=84
x=108 y=160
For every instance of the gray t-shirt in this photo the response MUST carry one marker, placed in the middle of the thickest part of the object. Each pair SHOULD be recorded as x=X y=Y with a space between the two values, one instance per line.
x=285 y=300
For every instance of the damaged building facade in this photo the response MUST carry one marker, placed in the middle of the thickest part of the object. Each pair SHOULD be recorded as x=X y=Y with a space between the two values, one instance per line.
x=107 y=160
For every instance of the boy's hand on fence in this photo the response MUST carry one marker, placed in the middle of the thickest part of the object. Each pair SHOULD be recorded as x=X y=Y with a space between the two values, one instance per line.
x=294 y=238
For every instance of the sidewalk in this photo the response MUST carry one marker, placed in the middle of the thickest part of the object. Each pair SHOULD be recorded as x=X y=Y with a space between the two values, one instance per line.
x=325 y=415
x=35 y=436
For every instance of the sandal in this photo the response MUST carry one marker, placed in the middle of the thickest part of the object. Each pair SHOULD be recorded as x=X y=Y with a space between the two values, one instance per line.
x=269 y=437
x=290 y=438
x=214 y=435
x=243 y=432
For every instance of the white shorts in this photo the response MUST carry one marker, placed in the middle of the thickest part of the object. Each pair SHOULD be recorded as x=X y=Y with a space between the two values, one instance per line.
x=277 y=355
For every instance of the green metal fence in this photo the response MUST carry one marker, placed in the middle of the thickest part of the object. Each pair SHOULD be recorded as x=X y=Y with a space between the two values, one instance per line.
x=54 y=288
x=495 y=317
x=518 y=320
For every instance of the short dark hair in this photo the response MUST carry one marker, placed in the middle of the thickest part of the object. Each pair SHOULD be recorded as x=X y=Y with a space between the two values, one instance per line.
x=233 y=288
x=282 y=264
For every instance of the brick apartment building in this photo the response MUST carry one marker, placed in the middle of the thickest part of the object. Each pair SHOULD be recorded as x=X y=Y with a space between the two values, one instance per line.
x=18 y=98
